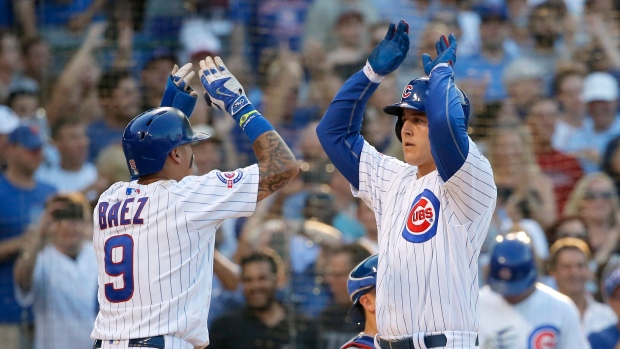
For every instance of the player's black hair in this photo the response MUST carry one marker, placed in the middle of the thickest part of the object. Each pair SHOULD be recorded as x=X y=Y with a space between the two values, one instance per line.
x=110 y=81
x=265 y=255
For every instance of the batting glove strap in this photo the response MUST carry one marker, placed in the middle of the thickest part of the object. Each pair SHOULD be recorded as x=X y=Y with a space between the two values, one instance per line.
x=371 y=75
x=438 y=66
x=252 y=122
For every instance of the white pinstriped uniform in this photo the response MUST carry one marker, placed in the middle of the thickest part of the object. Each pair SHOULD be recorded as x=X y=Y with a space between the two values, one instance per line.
x=545 y=320
x=167 y=247
x=429 y=285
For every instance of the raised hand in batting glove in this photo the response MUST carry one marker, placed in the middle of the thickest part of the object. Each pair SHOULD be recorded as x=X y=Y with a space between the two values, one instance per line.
x=178 y=93
x=446 y=53
x=223 y=91
x=182 y=77
x=392 y=50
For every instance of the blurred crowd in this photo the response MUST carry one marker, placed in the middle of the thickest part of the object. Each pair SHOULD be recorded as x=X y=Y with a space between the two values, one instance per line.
x=542 y=76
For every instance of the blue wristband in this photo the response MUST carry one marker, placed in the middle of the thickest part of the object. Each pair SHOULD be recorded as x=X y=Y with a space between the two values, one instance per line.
x=178 y=98
x=252 y=122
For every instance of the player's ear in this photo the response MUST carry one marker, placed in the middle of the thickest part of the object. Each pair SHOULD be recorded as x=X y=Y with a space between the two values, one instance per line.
x=175 y=155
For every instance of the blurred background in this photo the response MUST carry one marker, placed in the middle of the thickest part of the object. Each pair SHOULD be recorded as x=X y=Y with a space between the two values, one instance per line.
x=542 y=77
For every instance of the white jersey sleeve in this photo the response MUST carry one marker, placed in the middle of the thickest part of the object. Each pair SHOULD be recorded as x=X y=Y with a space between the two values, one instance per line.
x=472 y=188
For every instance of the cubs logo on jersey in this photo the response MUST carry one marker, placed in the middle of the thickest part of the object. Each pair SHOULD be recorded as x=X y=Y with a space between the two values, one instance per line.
x=407 y=91
x=421 y=224
x=544 y=337
x=230 y=178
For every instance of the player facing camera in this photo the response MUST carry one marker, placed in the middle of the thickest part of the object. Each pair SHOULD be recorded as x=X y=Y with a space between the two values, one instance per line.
x=442 y=194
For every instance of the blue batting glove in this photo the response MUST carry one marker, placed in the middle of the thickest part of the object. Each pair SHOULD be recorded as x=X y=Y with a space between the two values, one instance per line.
x=223 y=91
x=392 y=50
x=446 y=53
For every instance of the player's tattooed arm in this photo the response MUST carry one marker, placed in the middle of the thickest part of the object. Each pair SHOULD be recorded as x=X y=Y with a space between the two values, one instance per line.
x=276 y=163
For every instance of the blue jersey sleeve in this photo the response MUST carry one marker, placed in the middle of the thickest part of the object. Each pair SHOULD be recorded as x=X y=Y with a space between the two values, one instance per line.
x=339 y=130
x=446 y=122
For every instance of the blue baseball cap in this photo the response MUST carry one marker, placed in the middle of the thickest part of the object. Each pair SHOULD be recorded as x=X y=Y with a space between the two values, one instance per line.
x=489 y=11
x=27 y=135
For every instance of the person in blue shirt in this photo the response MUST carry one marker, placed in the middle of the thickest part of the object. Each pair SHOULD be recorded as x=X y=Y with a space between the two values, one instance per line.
x=22 y=200
x=609 y=337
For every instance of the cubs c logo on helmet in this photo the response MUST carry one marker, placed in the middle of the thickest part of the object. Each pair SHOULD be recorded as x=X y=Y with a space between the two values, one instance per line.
x=421 y=224
x=544 y=337
x=407 y=91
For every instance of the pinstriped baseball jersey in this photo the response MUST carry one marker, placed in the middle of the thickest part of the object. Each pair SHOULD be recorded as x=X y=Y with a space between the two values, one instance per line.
x=430 y=234
x=545 y=320
x=155 y=246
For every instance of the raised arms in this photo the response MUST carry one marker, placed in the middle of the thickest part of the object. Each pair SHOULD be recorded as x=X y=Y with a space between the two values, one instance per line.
x=276 y=162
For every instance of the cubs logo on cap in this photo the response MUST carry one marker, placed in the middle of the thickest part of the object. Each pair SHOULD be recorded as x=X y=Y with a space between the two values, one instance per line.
x=544 y=337
x=230 y=178
x=421 y=224
x=407 y=91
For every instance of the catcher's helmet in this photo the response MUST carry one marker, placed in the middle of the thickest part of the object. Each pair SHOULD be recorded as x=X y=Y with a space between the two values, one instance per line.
x=152 y=135
x=512 y=267
x=414 y=97
x=362 y=279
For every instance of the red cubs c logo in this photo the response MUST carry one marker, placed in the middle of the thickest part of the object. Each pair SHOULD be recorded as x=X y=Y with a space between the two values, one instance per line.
x=544 y=337
x=420 y=217
x=407 y=91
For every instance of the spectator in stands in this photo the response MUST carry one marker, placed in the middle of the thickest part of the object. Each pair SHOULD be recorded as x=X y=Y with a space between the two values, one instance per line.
x=349 y=54
x=22 y=199
x=73 y=172
x=378 y=127
x=333 y=330
x=562 y=169
x=75 y=92
x=569 y=260
x=487 y=65
x=595 y=199
x=8 y=122
x=111 y=168
x=322 y=15
x=523 y=79
x=119 y=96
x=37 y=60
x=568 y=86
x=346 y=206
x=524 y=191
x=207 y=154
x=47 y=274
x=568 y=227
x=24 y=103
x=600 y=93
x=155 y=74
x=366 y=216
x=609 y=337
x=263 y=322
x=10 y=66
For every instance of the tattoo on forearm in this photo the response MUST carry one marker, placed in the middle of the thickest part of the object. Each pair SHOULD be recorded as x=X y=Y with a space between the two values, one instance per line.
x=276 y=163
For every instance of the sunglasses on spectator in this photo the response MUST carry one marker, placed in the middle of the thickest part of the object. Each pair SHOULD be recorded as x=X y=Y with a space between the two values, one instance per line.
x=591 y=195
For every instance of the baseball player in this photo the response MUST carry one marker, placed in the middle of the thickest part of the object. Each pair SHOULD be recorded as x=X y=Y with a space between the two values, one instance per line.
x=154 y=236
x=432 y=211
x=361 y=287
x=517 y=312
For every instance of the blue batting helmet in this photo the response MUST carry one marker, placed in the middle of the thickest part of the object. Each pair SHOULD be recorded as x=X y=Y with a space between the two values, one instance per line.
x=414 y=97
x=512 y=267
x=152 y=135
x=362 y=279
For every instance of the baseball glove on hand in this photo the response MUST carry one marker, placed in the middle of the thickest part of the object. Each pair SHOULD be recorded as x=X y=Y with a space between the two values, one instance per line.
x=223 y=90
